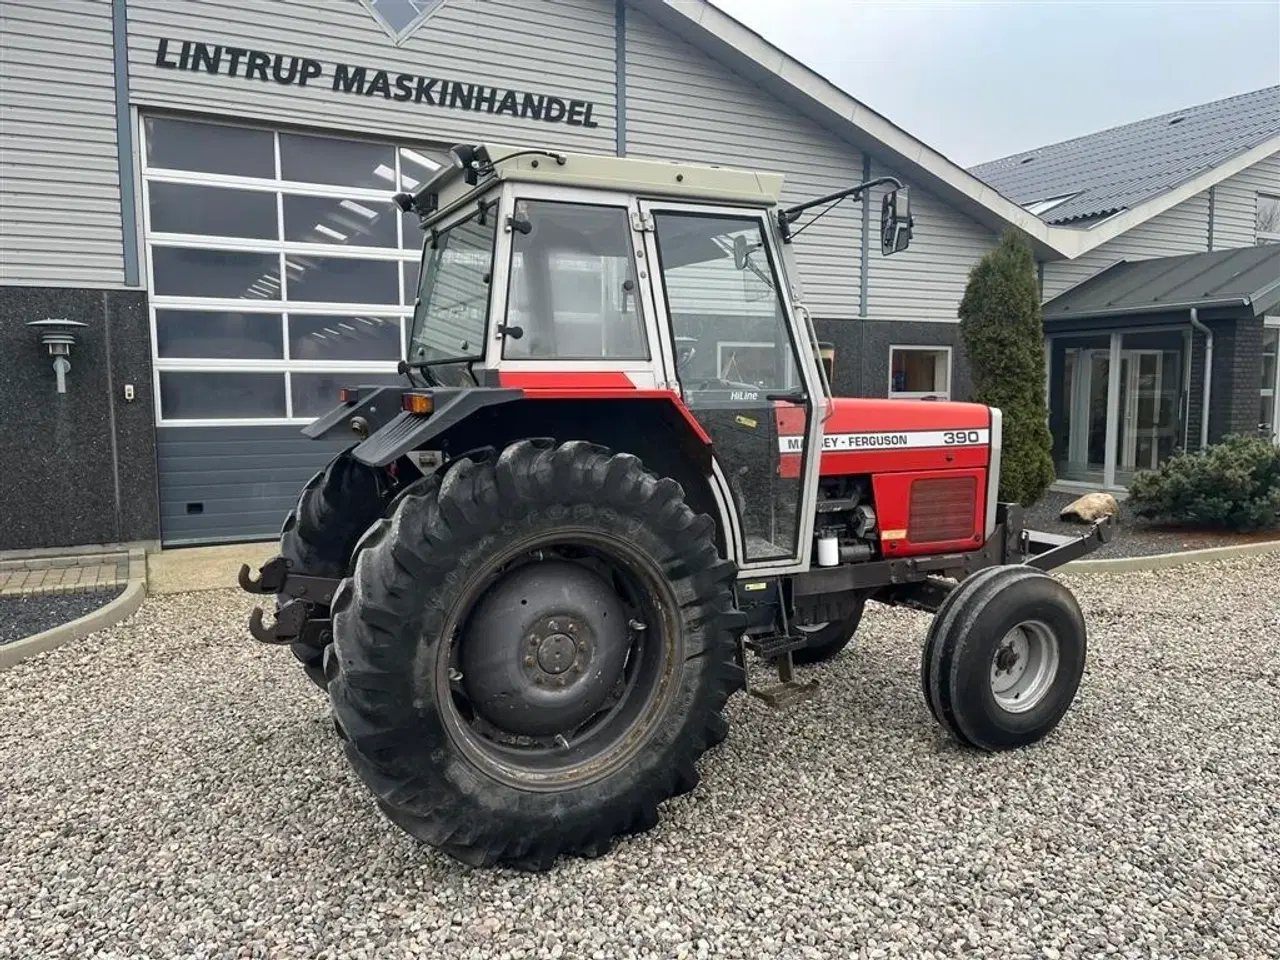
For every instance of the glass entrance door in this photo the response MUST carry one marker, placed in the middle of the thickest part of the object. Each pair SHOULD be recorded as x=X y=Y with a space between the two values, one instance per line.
x=739 y=370
x=1122 y=404
x=1140 y=420
x=1088 y=372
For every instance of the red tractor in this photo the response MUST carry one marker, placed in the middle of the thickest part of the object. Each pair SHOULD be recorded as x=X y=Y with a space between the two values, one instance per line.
x=614 y=479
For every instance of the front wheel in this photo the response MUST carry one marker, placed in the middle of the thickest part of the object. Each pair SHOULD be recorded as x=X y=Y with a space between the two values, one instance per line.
x=533 y=653
x=1004 y=658
x=826 y=640
x=334 y=508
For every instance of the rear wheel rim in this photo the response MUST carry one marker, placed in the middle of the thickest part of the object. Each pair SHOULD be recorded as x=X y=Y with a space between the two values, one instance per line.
x=1024 y=666
x=637 y=697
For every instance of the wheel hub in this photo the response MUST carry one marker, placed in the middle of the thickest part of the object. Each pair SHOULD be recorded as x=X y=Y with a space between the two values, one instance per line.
x=1009 y=656
x=556 y=653
x=1024 y=666
x=544 y=648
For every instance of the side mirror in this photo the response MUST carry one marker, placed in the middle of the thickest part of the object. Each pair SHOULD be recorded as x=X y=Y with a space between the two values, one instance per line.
x=895 y=221
x=742 y=251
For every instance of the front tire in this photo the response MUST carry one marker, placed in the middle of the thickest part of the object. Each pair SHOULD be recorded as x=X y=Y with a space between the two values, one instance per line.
x=1004 y=657
x=486 y=686
x=826 y=640
x=335 y=507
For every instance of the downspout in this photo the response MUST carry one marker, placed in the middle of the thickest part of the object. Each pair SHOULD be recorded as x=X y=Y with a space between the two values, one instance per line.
x=1208 y=377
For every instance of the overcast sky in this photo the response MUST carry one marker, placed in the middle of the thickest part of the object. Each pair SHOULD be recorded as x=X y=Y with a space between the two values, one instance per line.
x=981 y=79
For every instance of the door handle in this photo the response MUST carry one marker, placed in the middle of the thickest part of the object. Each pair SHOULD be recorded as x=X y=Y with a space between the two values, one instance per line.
x=788 y=396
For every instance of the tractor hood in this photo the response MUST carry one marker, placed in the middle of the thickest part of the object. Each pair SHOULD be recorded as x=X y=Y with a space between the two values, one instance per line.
x=872 y=435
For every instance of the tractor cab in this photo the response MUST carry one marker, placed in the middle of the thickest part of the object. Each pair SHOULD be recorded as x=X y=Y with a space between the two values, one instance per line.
x=606 y=278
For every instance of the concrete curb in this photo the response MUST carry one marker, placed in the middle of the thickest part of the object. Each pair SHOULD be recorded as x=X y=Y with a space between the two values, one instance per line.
x=108 y=615
x=1161 y=561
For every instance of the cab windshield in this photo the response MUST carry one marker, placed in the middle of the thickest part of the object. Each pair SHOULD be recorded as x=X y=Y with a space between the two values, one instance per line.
x=453 y=296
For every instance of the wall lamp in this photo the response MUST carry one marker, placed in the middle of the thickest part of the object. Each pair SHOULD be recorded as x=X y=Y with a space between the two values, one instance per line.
x=58 y=336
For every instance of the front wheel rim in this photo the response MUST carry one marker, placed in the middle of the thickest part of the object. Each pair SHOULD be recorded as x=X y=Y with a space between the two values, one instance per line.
x=1024 y=666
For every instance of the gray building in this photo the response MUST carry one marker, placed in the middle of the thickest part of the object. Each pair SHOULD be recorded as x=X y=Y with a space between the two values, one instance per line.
x=206 y=186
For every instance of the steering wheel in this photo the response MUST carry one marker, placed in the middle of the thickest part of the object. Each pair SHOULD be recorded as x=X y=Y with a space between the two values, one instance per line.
x=712 y=383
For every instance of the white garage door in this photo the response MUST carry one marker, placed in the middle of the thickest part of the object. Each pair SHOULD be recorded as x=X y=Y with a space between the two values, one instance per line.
x=278 y=270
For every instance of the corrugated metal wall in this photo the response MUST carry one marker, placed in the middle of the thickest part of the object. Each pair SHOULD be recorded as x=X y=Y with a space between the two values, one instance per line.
x=683 y=105
x=565 y=49
x=1181 y=229
x=1235 y=205
x=57 y=101
x=927 y=280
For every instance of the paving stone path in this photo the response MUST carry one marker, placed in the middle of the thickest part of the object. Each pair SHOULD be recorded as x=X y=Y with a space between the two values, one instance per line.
x=38 y=576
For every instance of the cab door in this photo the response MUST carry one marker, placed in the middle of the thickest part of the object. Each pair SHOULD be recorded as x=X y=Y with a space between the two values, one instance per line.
x=746 y=369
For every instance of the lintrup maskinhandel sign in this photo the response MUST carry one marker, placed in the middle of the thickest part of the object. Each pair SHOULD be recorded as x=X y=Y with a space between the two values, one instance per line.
x=286 y=70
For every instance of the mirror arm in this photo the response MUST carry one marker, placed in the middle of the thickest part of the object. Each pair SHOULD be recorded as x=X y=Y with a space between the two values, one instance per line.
x=788 y=215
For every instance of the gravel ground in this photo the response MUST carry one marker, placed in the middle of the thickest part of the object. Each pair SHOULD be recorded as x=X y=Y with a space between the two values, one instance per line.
x=26 y=616
x=1136 y=538
x=171 y=789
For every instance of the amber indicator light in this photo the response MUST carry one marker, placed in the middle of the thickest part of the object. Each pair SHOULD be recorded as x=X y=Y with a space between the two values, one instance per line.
x=416 y=403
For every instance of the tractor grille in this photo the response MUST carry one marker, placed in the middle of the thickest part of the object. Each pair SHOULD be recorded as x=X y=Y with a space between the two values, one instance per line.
x=942 y=509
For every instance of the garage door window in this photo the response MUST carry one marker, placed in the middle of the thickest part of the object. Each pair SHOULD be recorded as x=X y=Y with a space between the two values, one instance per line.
x=920 y=373
x=278 y=267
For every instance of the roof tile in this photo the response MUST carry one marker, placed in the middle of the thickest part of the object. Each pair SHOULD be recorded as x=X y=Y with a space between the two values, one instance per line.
x=1118 y=169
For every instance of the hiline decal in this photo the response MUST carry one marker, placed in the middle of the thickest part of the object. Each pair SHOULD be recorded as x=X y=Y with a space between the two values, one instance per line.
x=906 y=440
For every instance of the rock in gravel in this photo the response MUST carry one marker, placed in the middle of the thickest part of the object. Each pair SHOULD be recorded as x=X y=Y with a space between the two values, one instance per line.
x=169 y=788
x=1091 y=507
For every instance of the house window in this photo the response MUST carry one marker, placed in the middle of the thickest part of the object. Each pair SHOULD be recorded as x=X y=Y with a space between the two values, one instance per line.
x=920 y=373
x=278 y=267
x=1268 y=219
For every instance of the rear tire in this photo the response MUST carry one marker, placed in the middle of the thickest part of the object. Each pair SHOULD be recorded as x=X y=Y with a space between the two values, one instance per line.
x=335 y=507
x=483 y=624
x=1004 y=658
x=828 y=639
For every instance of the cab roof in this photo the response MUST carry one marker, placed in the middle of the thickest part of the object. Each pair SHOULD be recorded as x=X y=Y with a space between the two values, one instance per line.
x=481 y=165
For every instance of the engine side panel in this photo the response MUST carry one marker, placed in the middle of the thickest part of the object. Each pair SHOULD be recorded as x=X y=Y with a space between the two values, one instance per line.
x=871 y=436
x=927 y=463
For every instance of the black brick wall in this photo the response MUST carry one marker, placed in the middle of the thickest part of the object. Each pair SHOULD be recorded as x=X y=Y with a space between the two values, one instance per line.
x=862 y=353
x=1234 y=405
x=79 y=467
x=1236 y=376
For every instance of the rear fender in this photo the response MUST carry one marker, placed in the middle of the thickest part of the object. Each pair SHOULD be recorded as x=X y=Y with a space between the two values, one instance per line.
x=406 y=432
x=653 y=425
x=371 y=410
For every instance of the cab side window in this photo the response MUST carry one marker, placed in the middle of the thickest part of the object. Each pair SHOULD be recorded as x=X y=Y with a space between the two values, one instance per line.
x=573 y=291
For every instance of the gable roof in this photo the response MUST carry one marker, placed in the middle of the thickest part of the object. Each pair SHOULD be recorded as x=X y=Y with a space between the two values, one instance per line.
x=1244 y=276
x=748 y=54
x=1120 y=168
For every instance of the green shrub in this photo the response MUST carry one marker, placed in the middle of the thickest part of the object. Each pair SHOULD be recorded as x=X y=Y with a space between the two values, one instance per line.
x=1003 y=333
x=1232 y=485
